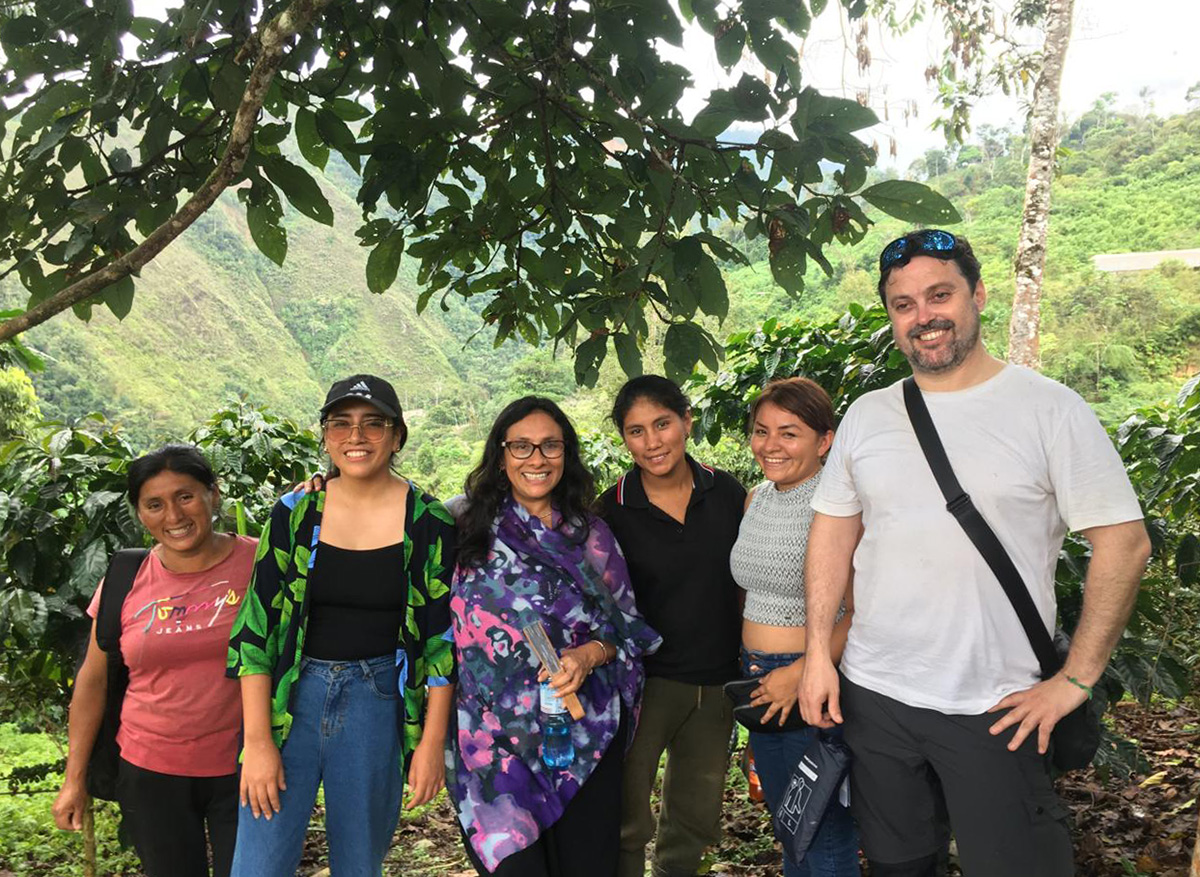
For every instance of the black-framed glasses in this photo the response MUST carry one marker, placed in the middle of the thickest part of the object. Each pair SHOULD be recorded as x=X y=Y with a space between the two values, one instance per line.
x=930 y=242
x=551 y=449
x=372 y=430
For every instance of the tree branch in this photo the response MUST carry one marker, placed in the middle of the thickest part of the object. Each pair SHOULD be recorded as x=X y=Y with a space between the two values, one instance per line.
x=151 y=161
x=274 y=43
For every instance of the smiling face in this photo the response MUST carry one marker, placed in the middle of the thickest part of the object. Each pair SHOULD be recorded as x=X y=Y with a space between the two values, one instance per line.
x=656 y=437
x=178 y=511
x=787 y=449
x=934 y=313
x=533 y=479
x=360 y=440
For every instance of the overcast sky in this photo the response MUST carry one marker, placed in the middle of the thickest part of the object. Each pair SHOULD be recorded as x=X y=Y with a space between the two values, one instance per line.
x=1116 y=46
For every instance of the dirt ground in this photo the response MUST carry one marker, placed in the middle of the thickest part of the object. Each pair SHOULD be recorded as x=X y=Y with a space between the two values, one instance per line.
x=1142 y=824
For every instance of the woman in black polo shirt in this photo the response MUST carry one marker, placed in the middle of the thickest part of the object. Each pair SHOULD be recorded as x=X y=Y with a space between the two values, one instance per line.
x=676 y=521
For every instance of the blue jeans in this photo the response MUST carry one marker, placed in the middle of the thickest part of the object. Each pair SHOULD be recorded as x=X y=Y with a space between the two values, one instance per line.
x=344 y=733
x=834 y=852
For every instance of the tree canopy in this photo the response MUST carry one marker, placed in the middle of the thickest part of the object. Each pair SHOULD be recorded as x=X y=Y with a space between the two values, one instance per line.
x=531 y=151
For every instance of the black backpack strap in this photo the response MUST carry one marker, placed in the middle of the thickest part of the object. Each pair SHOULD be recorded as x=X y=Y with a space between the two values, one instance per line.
x=118 y=580
x=959 y=504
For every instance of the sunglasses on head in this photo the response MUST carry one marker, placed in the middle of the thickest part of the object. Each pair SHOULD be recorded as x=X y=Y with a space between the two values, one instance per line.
x=930 y=242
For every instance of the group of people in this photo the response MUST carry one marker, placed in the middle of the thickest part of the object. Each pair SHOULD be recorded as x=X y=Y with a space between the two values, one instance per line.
x=376 y=638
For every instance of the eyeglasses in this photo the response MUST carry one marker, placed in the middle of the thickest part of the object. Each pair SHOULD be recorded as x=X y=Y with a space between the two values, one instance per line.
x=372 y=430
x=551 y=449
x=930 y=242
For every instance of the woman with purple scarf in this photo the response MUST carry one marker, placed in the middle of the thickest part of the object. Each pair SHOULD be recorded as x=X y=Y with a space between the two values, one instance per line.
x=530 y=550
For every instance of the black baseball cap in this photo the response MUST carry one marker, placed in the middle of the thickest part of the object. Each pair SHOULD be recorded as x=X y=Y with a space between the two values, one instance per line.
x=368 y=388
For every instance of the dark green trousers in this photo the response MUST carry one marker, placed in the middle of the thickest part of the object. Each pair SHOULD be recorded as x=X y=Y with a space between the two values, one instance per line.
x=692 y=724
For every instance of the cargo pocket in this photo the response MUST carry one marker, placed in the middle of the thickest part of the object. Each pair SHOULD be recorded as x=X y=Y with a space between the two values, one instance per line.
x=1050 y=835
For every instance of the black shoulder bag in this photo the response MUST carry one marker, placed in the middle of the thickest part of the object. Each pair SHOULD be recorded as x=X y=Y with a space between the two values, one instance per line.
x=118 y=580
x=1076 y=737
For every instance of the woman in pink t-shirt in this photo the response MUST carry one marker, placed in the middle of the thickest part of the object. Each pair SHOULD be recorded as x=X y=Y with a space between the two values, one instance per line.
x=180 y=717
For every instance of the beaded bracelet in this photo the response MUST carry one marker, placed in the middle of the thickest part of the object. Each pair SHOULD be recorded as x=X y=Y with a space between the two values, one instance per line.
x=1086 y=688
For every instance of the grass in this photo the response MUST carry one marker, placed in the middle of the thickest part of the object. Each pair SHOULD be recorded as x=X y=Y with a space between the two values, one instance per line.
x=30 y=845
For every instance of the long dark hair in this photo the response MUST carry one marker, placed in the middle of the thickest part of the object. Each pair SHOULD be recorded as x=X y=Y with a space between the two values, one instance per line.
x=487 y=485
x=184 y=459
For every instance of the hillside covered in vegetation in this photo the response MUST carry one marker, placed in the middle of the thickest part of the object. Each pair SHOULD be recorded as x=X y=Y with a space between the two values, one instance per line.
x=214 y=317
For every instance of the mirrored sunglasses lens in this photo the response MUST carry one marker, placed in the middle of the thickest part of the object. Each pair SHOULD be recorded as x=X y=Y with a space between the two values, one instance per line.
x=937 y=241
x=892 y=252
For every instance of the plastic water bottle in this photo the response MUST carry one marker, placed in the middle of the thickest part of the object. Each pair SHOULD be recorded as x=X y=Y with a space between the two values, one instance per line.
x=557 y=749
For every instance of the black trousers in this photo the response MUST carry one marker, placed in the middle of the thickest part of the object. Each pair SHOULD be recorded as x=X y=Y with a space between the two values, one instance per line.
x=166 y=816
x=916 y=769
x=586 y=839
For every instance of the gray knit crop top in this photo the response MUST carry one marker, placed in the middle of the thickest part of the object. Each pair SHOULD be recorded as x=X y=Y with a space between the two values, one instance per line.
x=768 y=558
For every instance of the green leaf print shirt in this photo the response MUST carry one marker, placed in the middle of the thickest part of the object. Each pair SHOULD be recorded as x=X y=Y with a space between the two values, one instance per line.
x=268 y=634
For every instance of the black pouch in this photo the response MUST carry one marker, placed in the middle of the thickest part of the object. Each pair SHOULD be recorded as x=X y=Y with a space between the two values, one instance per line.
x=812 y=788
x=751 y=717
x=1076 y=737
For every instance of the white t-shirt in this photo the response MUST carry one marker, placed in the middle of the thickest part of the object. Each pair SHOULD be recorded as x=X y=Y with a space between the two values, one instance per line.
x=932 y=626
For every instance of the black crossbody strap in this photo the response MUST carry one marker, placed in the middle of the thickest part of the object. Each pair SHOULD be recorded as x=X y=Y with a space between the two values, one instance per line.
x=959 y=504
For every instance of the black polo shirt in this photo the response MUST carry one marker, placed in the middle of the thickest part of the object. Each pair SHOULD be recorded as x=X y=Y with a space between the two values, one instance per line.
x=680 y=572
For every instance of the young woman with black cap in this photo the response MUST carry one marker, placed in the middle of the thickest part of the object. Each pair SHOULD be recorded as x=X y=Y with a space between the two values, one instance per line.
x=345 y=625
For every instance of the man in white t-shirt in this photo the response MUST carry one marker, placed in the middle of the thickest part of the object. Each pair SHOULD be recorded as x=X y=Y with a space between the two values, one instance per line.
x=940 y=693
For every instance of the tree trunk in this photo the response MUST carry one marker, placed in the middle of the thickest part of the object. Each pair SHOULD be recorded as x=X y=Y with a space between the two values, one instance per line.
x=1030 y=263
x=1195 y=869
x=89 y=839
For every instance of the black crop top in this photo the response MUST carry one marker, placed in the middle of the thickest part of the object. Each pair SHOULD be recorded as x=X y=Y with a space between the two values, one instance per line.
x=356 y=603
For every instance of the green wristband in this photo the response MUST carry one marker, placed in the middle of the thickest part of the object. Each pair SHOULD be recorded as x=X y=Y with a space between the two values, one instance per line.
x=1087 y=688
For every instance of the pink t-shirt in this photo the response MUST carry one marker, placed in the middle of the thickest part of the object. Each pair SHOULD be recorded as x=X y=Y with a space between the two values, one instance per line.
x=181 y=715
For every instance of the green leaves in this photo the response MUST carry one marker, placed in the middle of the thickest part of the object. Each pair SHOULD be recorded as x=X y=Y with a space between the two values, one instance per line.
x=299 y=187
x=628 y=353
x=557 y=179
x=788 y=264
x=912 y=202
x=686 y=344
x=264 y=215
x=847 y=357
x=308 y=139
x=119 y=297
x=731 y=40
x=384 y=262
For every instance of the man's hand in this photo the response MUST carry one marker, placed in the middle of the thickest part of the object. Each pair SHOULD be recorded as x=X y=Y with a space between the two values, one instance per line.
x=1038 y=708
x=819 y=693
x=426 y=774
x=780 y=689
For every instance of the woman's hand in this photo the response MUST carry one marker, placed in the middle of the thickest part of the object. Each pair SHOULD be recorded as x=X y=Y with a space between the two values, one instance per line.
x=312 y=485
x=426 y=774
x=574 y=666
x=780 y=689
x=262 y=778
x=70 y=804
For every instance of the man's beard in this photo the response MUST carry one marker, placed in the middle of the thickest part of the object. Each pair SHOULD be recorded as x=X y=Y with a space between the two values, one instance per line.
x=960 y=347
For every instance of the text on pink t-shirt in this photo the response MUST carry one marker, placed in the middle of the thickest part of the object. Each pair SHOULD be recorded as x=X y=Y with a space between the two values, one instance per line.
x=181 y=714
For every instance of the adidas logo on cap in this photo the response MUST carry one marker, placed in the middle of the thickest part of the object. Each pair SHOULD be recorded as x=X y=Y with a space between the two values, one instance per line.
x=360 y=387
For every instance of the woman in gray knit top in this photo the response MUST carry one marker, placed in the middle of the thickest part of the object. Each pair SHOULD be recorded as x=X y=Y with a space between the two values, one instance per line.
x=791 y=429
